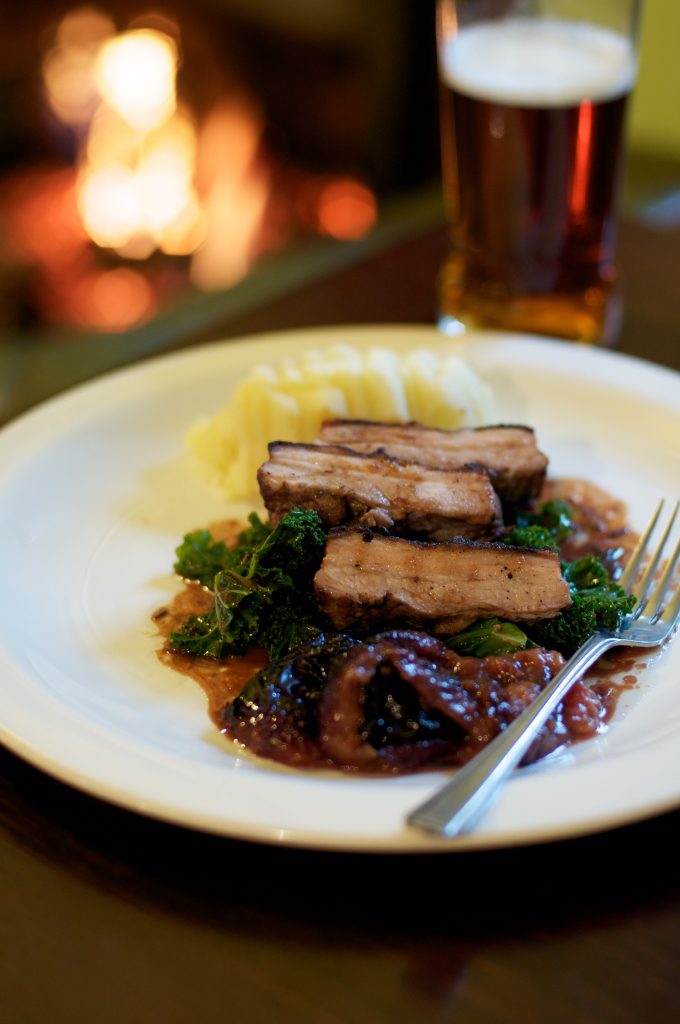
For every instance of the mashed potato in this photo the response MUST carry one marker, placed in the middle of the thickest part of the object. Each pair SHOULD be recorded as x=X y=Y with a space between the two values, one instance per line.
x=290 y=401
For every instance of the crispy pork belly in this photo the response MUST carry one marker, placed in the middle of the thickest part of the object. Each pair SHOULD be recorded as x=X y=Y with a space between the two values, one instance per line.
x=378 y=490
x=444 y=587
x=509 y=453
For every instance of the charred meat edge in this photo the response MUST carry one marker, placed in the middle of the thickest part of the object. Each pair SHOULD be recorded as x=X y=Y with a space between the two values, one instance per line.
x=378 y=489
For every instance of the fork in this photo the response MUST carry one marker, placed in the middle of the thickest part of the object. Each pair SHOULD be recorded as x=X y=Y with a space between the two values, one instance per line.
x=457 y=805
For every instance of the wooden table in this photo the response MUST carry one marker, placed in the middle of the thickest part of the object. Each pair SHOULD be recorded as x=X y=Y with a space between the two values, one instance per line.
x=110 y=917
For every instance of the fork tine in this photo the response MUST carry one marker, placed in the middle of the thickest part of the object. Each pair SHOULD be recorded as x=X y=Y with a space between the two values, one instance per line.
x=671 y=615
x=648 y=576
x=629 y=573
x=655 y=602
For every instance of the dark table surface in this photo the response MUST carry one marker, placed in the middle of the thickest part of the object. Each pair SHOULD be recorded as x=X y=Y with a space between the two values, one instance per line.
x=107 y=916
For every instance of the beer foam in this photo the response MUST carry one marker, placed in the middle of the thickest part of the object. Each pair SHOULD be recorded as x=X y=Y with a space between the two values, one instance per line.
x=538 y=62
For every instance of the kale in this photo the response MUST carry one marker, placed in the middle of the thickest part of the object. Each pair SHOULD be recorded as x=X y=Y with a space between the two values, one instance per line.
x=533 y=536
x=556 y=516
x=547 y=527
x=292 y=551
x=489 y=636
x=263 y=592
x=587 y=573
x=293 y=621
x=200 y=557
x=597 y=603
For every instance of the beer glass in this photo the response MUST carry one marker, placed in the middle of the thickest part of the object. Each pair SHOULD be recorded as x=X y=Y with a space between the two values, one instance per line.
x=532 y=103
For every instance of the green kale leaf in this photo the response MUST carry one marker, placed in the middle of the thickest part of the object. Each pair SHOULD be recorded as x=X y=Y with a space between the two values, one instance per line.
x=263 y=593
x=547 y=527
x=533 y=536
x=200 y=557
x=597 y=603
x=489 y=636
x=556 y=516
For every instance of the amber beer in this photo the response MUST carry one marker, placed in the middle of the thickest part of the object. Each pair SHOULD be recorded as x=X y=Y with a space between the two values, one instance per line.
x=532 y=115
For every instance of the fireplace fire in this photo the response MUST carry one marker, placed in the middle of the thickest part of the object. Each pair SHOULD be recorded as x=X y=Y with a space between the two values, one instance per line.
x=164 y=169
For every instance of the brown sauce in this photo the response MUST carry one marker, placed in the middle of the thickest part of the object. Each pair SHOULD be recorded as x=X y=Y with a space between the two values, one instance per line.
x=612 y=676
x=601 y=522
x=223 y=680
x=602 y=529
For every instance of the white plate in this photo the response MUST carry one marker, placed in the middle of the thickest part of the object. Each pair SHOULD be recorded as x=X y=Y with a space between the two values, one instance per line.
x=95 y=493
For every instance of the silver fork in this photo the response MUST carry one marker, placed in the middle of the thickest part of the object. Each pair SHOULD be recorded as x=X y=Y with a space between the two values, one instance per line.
x=456 y=806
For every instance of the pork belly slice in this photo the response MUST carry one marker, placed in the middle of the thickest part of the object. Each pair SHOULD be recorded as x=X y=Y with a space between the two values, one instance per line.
x=509 y=453
x=344 y=486
x=443 y=588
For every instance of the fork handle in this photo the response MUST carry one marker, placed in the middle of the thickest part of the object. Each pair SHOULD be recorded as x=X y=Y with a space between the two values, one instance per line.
x=453 y=808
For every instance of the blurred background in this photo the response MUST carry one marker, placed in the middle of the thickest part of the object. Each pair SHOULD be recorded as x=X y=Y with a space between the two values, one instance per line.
x=165 y=168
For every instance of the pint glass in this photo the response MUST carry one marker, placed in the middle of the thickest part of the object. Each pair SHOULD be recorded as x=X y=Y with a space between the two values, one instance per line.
x=532 y=103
